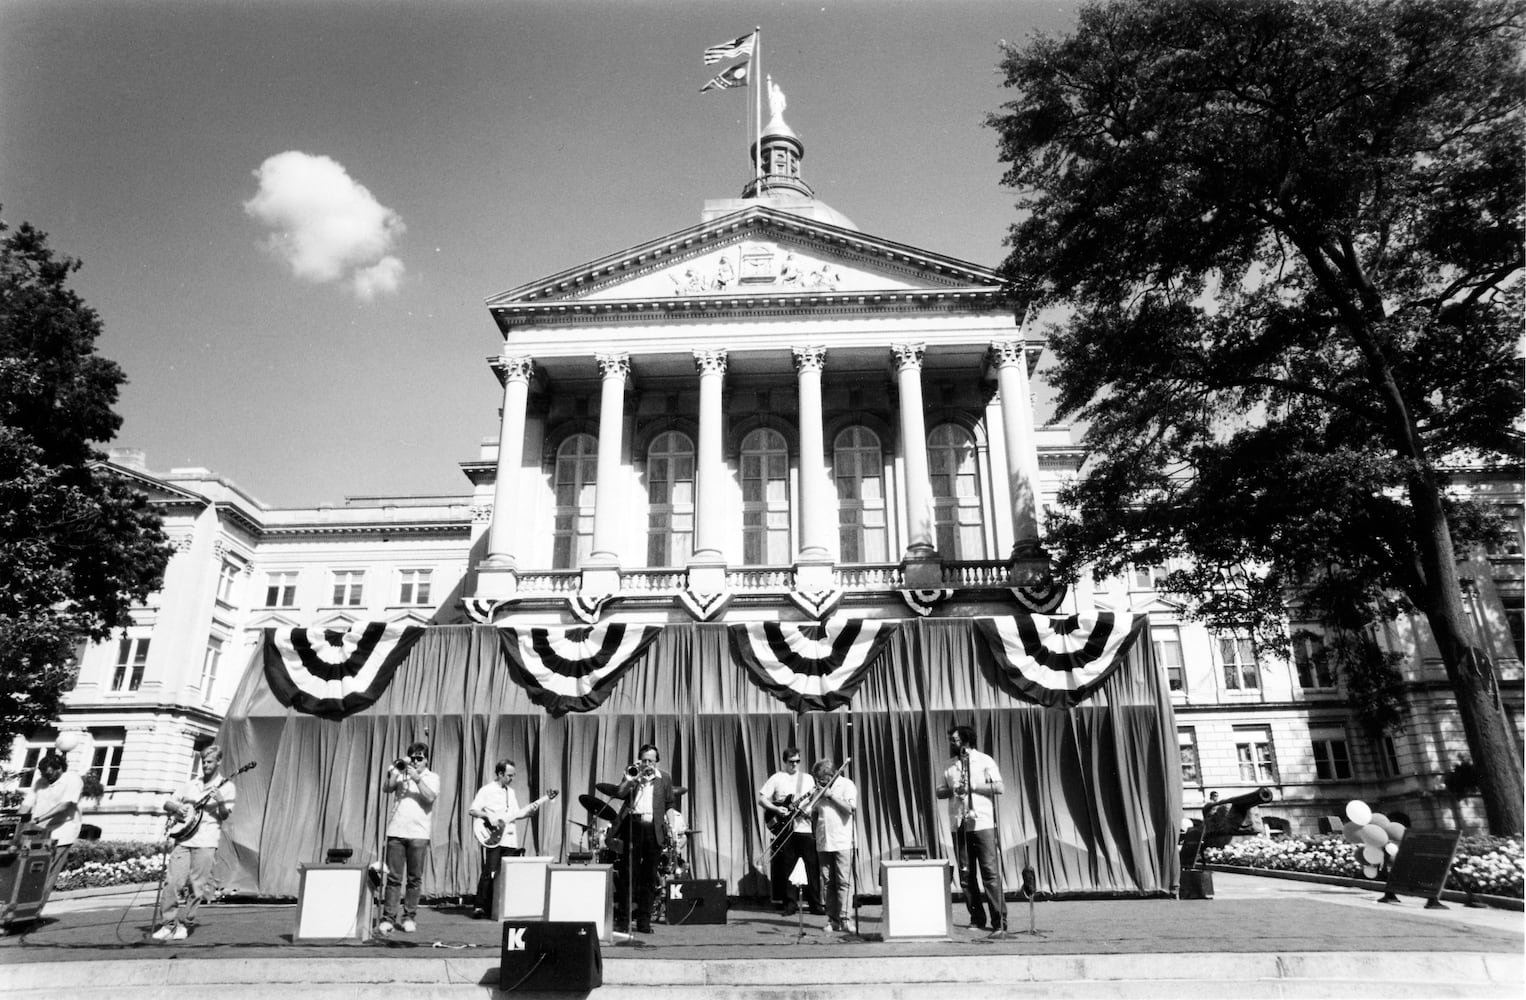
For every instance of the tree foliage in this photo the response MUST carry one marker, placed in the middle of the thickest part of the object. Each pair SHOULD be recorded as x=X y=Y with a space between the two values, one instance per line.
x=1287 y=238
x=78 y=545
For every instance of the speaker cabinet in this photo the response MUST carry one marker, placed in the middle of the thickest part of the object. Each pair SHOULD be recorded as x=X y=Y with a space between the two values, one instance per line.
x=550 y=955
x=519 y=891
x=695 y=901
x=917 y=901
x=578 y=893
x=333 y=904
x=1196 y=884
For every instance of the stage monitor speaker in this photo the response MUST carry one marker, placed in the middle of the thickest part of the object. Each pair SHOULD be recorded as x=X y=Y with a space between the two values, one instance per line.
x=519 y=891
x=1196 y=884
x=913 y=852
x=550 y=955
x=333 y=904
x=695 y=901
x=917 y=903
x=582 y=892
x=338 y=855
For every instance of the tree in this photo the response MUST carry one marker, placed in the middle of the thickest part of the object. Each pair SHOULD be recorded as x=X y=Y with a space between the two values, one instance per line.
x=1286 y=241
x=78 y=545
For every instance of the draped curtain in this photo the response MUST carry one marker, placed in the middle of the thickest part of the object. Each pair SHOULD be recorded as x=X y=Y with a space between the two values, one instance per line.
x=1092 y=791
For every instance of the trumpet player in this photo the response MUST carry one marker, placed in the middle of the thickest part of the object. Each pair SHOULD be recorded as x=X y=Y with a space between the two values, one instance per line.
x=648 y=794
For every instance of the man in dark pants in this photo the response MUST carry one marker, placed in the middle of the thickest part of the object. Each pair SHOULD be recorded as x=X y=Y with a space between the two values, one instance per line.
x=971 y=783
x=793 y=837
x=648 y=795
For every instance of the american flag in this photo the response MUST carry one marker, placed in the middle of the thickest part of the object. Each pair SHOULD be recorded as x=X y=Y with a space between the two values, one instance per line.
x=728 y=50
x=735 y=76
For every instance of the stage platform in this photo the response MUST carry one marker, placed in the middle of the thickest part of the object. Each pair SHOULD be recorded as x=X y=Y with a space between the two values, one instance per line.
x=1268 y=937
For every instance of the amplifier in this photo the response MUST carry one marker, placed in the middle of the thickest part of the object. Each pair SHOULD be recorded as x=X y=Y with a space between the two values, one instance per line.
x=695 y=901
x=546 y=955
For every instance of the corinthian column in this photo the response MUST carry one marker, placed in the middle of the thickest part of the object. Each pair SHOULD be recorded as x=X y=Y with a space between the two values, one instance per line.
x=707 y=568
x=817 y=520
x=920 y=563
x=1010 y=361
x=608 y=510
x=496 y=575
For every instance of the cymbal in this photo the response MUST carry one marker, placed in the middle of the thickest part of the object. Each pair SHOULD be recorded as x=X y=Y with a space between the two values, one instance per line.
x=598 y=808
x=607 y=788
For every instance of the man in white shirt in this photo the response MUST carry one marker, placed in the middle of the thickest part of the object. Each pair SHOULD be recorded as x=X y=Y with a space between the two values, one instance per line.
x=836 y=802
x=414 y=788
x=971 y=783
x=55 y=807
x=792 y=838
x=496 y=808
x=188 y=876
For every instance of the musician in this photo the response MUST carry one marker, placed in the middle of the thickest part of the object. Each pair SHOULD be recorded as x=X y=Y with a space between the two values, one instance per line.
x=971 y=783
x=188 y=874
x=648 y=794
x=55 y=807
x=414 y=789
x=793 y=839
x=834 y=805
x=496 y=805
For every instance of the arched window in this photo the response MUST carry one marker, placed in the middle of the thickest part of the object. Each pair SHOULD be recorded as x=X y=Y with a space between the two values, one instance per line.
x=954 y=469
x=765 y=499
x=859 y=468
x=577 y=469
x=670 y=500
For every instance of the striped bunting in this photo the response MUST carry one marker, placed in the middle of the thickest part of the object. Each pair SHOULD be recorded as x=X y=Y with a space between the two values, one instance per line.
x=810 y=667
x=1059 y=661
x=332 y=673
x=573 y=670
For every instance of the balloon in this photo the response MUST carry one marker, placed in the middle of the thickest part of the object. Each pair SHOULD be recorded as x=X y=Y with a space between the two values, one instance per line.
x=1370 y=871
x=1395 y=830
x=66 y=741
x=1358 y=813
x=1351 y=830
x=1391 y=849
x=1372 y=855
x=1379 y=819
x=1373 y=836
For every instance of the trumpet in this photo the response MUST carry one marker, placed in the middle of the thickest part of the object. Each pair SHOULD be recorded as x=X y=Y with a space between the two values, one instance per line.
x=641 y=771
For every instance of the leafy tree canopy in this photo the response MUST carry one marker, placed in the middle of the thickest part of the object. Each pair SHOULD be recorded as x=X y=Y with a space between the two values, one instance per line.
x=1288 y=239
x=78 y=545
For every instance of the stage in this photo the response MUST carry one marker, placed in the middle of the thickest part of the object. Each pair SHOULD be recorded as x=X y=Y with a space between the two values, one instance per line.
x=1274 y=937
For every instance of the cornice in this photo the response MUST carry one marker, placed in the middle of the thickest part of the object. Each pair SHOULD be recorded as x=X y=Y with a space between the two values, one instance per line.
x=462 y=527
x=753 y=306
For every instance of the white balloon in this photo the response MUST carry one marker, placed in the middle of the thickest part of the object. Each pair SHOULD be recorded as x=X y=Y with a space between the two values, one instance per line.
x=1379 y=819
x=1358 y=812
x=1373 y=835
x=1391 y=849
x=66 y=741
x=1372 y=855
x=1370 y=871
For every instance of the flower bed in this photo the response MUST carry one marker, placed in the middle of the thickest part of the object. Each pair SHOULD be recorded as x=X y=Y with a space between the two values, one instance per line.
x=96 y=863
x=1494 y=866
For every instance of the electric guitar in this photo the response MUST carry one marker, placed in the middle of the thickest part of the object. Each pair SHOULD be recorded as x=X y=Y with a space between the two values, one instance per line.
x=779 y=824
x=491 y=829
x=181 y=830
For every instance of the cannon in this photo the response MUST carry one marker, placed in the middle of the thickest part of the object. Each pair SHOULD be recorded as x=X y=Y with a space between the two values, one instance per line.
x=1236 y=817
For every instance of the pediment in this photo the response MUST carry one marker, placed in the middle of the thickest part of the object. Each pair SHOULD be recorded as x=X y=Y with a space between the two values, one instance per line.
x=759 y=251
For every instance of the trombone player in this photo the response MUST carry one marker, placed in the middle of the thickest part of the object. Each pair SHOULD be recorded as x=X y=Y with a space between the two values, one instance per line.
x=648 y=793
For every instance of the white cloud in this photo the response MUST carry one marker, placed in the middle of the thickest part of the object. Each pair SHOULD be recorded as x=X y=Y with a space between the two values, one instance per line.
x=324 y=225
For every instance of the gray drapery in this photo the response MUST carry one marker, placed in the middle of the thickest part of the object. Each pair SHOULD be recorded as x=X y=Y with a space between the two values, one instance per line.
x=1093 y=796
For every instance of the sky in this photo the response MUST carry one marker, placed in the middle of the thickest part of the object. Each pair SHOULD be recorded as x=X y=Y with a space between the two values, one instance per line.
x=290 y=213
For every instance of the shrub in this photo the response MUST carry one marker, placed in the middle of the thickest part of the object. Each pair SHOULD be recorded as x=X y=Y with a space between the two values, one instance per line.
x=96 y=863
x=1493 y=866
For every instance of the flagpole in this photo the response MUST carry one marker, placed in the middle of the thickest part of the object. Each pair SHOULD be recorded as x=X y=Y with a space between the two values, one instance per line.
x=757 y=87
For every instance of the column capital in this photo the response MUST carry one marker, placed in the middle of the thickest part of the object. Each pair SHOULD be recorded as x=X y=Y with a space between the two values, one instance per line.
x=812 y=359
x=907 y=355
x=513 y=369
x=1012 y=353
x=614 y=366
x=710 y=362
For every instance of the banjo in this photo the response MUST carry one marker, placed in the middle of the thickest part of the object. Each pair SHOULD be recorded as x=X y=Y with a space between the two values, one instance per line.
x=181 y=830
x=491 y=830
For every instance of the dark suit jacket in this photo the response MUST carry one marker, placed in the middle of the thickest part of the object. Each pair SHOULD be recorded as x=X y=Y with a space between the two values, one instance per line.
x=663 y=799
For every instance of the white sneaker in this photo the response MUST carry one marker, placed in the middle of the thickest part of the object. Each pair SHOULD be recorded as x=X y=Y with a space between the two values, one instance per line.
x=163 y=933
x=409 y=926
x=385 y=927
x=181 y=933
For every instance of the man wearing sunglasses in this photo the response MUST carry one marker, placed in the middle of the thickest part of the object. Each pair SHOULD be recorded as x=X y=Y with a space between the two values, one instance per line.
x=781 y=797
x=413 y=788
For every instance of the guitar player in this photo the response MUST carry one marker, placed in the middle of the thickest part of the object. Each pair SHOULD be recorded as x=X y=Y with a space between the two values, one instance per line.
x=189 y=871
x=495 y=809
x=792 y=835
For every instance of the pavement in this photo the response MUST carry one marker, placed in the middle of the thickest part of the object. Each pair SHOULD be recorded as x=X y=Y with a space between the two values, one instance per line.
x=1258 y=937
